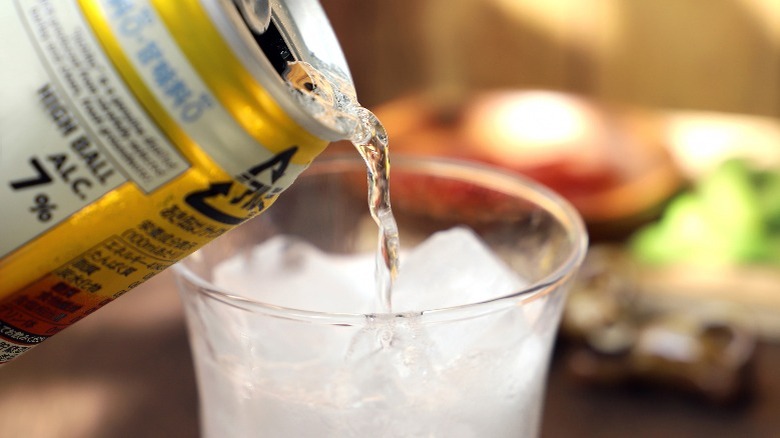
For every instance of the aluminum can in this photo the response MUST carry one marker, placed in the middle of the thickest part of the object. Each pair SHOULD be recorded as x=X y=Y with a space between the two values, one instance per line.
x=132 y=132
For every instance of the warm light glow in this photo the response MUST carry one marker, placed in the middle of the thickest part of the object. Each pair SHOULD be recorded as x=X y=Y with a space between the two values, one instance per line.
x=700 y=141
x=534 y=127
x=767 y=15
x=540 y=118
x=592 y=26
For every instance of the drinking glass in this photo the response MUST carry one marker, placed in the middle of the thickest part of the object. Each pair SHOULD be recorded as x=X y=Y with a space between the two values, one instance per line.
x=330 y=367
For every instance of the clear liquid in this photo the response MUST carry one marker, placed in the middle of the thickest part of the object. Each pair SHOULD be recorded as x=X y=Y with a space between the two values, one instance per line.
x=373 y=147
x=331 y=99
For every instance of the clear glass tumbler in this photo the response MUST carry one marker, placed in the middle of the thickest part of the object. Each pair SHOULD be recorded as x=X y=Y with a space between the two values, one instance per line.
x=325 y=368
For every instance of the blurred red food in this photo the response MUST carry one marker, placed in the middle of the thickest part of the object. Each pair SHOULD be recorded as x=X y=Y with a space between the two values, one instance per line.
x=608 y=161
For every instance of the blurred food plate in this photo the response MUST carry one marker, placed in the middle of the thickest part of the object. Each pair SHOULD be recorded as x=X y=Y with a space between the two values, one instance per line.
x=609 y=161
x=754 y=291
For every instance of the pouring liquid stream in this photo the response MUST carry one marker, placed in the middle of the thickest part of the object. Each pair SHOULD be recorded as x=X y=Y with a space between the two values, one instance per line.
x=373 y=147
x=330 y=98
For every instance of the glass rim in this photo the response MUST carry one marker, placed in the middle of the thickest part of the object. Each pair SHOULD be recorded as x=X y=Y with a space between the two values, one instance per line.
x=495 y=178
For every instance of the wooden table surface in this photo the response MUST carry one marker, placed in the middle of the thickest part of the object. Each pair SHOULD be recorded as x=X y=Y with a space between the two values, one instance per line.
x=126 y=372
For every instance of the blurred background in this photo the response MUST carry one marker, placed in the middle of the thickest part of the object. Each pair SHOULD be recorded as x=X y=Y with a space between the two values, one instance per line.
x=657 y=119
x=712 y=55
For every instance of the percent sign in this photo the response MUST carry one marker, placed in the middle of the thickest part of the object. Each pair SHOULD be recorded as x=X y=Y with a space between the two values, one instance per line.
x=43 y=207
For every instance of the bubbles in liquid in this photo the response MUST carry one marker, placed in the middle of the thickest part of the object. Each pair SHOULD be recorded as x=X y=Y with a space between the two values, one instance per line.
x=330 y=98
x=371 y=141
x=326 y=94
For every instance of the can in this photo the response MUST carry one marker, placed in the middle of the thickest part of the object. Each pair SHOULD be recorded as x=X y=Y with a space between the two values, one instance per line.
x=132 y=132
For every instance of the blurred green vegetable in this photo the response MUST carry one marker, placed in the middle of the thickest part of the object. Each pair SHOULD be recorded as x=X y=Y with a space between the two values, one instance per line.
x=732 y=216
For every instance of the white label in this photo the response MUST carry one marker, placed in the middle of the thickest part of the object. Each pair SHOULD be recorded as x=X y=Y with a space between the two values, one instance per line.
x=70 y=130
x=165 y=69
x=98 y=95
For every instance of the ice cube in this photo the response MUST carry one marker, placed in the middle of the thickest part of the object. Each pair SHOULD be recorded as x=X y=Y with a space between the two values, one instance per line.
x=451 y=268
x=394 y=367
x=287 y=272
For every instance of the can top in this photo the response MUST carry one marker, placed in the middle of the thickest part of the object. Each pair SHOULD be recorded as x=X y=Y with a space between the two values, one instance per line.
x=294 y=32
x=256 y=13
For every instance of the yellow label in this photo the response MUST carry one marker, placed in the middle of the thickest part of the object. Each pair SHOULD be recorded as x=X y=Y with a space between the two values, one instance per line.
x=182 y=156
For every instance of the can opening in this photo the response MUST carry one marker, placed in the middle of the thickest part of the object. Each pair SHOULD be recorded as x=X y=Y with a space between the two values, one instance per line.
x=275 y=48
x=282 y=58
x=302 y=50
x=265 y=33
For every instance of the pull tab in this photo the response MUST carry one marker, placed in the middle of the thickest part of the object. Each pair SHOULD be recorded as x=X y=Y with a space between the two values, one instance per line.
x=257 y=14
